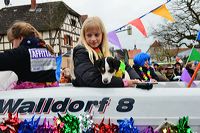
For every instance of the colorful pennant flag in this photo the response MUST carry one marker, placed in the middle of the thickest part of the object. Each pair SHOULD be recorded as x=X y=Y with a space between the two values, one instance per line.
x=194 y=56
x=139 y=25
x=198 y=36
x=112 y=37
x=185 y=76
x=163 y=12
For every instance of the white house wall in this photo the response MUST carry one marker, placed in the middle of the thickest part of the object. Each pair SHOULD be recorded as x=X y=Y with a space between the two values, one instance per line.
x=68 y=27
x=46 y=37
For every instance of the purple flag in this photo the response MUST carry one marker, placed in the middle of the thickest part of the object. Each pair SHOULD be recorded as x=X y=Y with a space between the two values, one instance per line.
x=112 y=37
x=185 y=76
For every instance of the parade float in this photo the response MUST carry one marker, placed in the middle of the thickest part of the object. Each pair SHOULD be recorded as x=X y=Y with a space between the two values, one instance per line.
x=166 y=106
x=165 y=102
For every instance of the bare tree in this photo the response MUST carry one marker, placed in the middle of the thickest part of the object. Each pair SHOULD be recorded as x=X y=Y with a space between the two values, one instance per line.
x=185 y=28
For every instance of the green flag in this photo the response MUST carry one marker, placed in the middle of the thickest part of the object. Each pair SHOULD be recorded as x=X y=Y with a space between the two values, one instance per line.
x=194 y=56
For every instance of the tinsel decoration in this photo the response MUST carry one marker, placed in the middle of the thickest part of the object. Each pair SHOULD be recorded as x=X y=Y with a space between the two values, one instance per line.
x=45 y=127
x=105 y=128
x=71 y=123
x=149 y=129
x=127 y=126
x=182 y=125
x=29 y=126
x=10 y=125
x=167 y=127
x=86 y=122
x=58 y=125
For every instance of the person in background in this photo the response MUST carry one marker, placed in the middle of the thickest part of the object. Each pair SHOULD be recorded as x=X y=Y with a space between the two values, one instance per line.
x=143 y=68
x=198 y=73
x=161 y=73
x=190 y=66
x=177 y=69
x=156 y=66
x=170 y=73
x=65 y=75
x=31 y=59
x=93 y=45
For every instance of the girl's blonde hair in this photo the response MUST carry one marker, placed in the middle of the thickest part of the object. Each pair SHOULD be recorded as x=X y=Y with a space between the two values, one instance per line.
x=24 y=29
x=94 y=22
x=90 y=23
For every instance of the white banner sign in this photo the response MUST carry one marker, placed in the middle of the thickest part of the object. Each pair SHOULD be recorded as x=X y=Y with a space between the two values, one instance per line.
x=146 y=107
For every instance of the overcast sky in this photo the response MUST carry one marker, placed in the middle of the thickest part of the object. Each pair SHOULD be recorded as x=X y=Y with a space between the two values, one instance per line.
x=116 y=13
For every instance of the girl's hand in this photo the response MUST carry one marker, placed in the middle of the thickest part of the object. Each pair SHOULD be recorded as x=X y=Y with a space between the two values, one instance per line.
x=132 y=83
x=153 y=81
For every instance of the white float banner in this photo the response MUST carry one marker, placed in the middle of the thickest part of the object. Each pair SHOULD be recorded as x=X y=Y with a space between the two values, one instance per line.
x=147 y=107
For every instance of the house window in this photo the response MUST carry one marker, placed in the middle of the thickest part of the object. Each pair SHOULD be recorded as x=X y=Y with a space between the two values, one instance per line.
x=68 y=40
x=65 y=39
x=73 y=22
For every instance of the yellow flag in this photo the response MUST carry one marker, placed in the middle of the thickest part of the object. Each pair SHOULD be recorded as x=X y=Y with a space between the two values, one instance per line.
x=163 y=12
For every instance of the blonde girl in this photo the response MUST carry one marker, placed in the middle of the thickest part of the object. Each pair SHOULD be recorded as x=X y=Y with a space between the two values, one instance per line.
x=93 y=45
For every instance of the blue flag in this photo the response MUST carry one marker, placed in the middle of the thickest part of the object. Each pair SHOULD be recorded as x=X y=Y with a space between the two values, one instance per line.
x=58 y=64
x=198 y=36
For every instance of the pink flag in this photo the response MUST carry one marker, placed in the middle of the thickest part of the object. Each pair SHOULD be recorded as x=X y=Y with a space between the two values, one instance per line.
x=139 y=25
x=185 y=76
x=112 y=37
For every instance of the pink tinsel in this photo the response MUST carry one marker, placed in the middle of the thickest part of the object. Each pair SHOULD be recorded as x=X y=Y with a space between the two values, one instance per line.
x=28 y=85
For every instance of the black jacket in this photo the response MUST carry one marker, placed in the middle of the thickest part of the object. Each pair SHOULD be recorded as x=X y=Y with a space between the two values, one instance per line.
x=87 y=74
x=153 y=74
x=19 y=61
x=190 y=71
x=177 y=73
